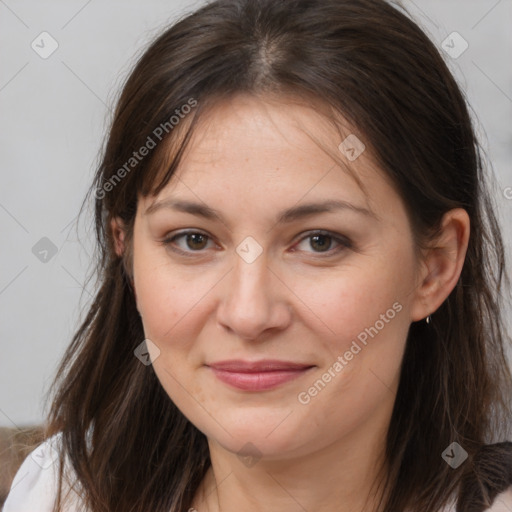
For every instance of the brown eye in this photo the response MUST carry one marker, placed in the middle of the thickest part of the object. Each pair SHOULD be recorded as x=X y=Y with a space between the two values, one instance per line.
x=188 y=242
x=320 y=243
x=323 y=243
x=196 y=241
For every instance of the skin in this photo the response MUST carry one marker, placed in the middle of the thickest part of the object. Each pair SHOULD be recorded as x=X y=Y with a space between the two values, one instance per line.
x=250 y=159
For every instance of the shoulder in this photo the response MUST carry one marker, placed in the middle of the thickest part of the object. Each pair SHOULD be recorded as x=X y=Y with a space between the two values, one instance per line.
x=36 y=483
x=503 y=502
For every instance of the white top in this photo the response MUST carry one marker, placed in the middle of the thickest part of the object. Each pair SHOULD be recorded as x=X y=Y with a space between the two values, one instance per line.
x=34 y=487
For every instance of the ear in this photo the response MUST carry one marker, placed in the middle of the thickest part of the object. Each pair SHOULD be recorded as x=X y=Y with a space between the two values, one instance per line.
x=118 y=234
x=442 y=264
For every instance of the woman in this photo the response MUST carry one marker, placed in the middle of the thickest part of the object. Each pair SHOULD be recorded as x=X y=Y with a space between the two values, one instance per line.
x=300 y=281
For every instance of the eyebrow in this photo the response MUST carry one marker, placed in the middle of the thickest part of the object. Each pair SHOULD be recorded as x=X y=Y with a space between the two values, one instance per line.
x=286 y=216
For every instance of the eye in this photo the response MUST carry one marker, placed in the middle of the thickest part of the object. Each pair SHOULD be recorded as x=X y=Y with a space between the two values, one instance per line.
x=187 y=242
x=323 y=242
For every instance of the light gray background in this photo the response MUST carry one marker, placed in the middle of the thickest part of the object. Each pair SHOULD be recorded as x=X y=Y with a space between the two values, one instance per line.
x=54 y=114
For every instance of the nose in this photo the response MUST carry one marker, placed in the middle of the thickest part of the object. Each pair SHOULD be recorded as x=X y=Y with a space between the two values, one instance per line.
x=253 y=300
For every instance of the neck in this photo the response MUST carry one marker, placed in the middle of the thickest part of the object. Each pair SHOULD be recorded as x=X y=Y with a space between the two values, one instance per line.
x=341 y=477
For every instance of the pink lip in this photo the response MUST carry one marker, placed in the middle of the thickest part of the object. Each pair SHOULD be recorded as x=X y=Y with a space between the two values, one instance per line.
x=257 y=375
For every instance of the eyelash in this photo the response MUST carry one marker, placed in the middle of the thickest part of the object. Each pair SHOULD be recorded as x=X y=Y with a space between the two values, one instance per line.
x=344 y=243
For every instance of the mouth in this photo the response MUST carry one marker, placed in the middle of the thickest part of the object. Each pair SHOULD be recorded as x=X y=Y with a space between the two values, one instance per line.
x=258 y=375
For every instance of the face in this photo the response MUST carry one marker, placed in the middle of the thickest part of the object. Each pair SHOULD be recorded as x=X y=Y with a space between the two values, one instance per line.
x=277 y=291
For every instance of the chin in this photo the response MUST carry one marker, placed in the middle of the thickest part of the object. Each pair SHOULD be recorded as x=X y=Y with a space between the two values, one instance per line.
x=271 y=434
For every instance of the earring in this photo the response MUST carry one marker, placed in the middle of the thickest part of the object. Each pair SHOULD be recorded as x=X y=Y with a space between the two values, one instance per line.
x=428 y=319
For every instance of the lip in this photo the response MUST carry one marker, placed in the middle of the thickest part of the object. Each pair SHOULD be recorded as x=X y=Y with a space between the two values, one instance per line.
x=257 y=375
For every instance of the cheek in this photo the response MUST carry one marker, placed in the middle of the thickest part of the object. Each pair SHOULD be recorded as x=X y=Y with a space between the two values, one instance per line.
x=362 y=311
x=345 y=303
x=171 y=306
x=168 y=297
x=363 y=315
x=157 y=301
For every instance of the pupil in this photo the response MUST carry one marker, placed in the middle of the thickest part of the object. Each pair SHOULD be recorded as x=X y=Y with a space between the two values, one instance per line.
x=196 y=241
x=322 y=241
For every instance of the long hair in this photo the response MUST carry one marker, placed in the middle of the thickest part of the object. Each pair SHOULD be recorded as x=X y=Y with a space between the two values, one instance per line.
x=129 y=446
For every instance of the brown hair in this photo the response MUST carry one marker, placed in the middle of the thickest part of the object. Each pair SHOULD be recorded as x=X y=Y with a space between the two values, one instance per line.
x=129 y=445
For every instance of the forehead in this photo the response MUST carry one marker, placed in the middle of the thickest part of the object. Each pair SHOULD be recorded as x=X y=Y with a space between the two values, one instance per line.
x=249 y=145
x=264 y=129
